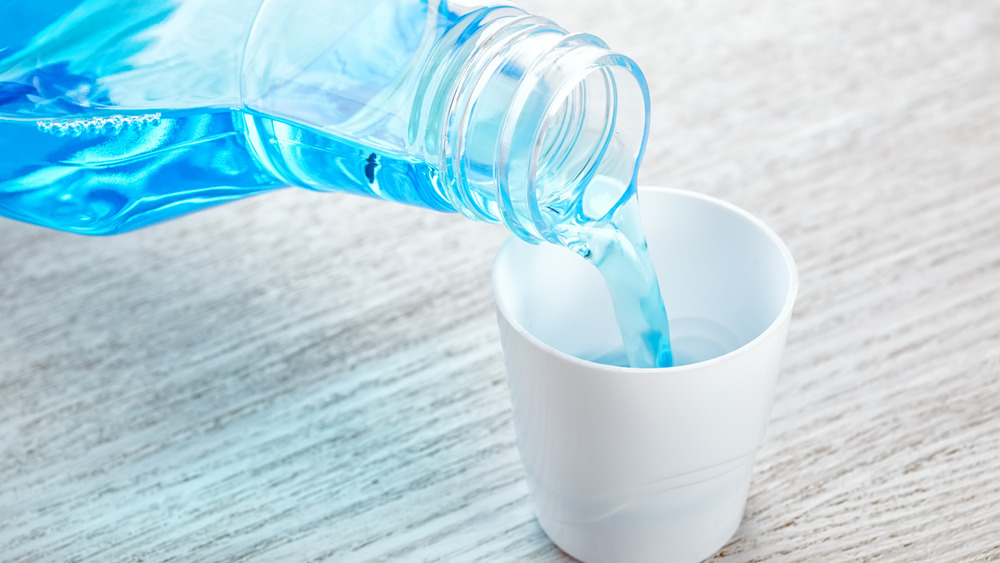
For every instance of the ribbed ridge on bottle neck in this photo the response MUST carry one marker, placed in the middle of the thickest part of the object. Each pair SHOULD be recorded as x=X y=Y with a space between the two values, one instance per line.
x=533 y=117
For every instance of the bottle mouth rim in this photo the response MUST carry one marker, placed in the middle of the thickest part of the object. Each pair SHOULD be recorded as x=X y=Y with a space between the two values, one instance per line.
x=587 y=56
x=518 y=81
x=605 y=64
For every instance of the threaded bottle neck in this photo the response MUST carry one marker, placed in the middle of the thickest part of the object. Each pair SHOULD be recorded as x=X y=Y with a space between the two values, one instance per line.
x=544 y=129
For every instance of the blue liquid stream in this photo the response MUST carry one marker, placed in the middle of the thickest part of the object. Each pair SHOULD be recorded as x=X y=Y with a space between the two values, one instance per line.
x=86 y=166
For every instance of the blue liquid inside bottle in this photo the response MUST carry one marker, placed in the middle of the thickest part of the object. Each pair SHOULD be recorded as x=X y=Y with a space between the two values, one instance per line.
x=116 y=115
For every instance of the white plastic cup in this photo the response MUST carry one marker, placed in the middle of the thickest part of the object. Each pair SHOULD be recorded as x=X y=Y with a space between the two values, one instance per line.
x=631 y=464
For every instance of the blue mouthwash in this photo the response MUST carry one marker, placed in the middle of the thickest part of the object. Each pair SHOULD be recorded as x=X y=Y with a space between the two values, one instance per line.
x=116 y=114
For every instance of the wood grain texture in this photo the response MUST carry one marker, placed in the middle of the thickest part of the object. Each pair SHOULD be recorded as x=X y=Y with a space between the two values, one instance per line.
x=318 y=377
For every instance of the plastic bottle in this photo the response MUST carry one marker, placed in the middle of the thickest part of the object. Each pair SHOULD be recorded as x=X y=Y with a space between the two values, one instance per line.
x=115 y=115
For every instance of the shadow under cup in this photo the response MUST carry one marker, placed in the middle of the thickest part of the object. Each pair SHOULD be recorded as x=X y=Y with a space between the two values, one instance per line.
x=646 y=464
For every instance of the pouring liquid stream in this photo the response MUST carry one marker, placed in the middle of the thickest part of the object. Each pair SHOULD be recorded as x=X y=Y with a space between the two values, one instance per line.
x=618 y=250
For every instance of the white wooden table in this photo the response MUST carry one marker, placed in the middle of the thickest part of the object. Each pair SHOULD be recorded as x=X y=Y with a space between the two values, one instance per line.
x=318 y=377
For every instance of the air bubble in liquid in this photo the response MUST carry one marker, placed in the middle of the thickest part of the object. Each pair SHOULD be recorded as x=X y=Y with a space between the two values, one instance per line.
x=98 y=126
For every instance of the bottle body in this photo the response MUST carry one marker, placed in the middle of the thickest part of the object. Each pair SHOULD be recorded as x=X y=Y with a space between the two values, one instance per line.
x=117 y=115
x=94 y=138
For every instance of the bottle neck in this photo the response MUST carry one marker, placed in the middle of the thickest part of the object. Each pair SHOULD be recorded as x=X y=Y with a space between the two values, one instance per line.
x=544 y=129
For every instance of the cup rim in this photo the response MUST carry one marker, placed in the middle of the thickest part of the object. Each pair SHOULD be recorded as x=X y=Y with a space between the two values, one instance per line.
x=780 y=318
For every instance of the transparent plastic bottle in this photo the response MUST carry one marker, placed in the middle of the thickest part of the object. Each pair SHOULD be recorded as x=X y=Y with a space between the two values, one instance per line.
x=115 y=115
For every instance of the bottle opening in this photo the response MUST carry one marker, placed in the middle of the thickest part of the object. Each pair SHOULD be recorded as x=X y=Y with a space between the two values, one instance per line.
x=544 y=131
x=589 y=150
x=577 y=163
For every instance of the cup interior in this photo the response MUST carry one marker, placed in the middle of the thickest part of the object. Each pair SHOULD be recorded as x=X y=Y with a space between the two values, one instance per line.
x=725 y=279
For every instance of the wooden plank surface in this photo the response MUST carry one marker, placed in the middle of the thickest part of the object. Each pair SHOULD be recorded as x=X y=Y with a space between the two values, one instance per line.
x=318 y=377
